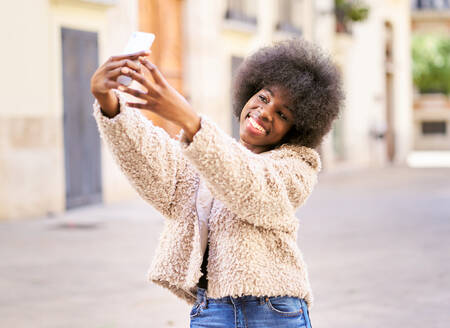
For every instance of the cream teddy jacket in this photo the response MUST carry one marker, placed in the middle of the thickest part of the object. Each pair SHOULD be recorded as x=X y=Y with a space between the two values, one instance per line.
x=252 y=227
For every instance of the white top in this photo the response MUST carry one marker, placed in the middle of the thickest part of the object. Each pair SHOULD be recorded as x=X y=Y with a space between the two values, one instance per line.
x=204 y=205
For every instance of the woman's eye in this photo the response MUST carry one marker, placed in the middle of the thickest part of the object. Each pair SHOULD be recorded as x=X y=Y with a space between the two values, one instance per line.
x=284 y=117
x=263 y=98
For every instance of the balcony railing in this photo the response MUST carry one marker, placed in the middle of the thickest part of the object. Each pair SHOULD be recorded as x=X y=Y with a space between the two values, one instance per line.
x=431 y=4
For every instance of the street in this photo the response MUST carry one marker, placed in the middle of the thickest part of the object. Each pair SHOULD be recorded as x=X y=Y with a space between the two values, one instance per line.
x=376 y=243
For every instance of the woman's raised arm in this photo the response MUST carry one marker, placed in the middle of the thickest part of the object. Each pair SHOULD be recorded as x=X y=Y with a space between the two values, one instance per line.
x=262 y=190
x=151 y=160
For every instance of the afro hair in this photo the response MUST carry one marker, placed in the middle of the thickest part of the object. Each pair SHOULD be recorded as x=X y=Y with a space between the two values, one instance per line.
x=311 y=79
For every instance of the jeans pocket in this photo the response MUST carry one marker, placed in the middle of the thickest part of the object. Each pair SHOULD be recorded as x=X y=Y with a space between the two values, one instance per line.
x=285 y=306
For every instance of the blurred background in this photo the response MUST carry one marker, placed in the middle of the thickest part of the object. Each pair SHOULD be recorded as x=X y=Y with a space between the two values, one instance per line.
x=76 y=241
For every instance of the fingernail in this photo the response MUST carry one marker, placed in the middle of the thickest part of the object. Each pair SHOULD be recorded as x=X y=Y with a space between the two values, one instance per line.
x=125 y=70
x=121 y=88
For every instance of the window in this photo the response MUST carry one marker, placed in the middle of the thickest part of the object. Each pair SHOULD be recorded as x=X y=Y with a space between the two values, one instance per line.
x=433 y=128
x=242 y=10
x=290 y=15
x=431 y=4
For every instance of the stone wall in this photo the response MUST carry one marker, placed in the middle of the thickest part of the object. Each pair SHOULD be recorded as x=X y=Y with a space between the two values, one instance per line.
x=432 y=109
x=30 y=166
x=32 y=177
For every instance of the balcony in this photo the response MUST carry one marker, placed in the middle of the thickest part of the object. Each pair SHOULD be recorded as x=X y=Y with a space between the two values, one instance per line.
x=438 y=5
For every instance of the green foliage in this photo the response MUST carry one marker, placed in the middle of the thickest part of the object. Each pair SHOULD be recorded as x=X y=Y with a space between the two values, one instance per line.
x=431 y=63
x=358 y=13
x=348 y=11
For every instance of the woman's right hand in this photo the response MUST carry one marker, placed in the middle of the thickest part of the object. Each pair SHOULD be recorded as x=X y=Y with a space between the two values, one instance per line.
x=105 y=79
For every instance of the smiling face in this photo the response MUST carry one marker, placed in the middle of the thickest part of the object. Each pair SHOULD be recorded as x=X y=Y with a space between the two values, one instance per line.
x=265 y=119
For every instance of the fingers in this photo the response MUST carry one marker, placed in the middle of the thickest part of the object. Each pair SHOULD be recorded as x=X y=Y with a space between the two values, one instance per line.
x=156 y=74
x=135 y=76
x=124 y=63
x=132 y=56
x=144 y=81
x=138 y=105
x=136 y=93
x=112 y=84
x=115 y=73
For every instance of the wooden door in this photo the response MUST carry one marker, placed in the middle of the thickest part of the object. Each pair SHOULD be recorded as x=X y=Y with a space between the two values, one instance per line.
x=81 y=139
x=164 y=18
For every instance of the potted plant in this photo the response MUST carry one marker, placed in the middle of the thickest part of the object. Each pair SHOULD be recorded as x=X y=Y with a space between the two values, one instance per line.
x=347 y=12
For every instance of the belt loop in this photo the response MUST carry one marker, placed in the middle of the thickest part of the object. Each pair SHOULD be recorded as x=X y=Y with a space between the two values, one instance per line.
x=205 y=300
x=262 y=300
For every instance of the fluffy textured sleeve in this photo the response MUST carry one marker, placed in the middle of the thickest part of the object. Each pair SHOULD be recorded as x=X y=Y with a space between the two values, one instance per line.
x=150 y=159
x=262 y=189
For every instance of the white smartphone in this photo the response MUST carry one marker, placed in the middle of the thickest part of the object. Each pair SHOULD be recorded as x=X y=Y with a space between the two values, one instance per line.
x=138 y=41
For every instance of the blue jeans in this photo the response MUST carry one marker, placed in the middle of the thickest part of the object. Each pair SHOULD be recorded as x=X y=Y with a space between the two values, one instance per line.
x=249 y=312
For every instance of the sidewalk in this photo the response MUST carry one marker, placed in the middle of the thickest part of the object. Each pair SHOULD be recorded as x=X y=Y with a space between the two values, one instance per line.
x=376 y=243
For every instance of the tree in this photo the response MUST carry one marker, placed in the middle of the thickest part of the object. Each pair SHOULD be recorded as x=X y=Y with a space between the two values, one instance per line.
x=431 y=63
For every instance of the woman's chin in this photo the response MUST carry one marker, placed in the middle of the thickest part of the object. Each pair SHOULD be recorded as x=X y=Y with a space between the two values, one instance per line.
x=249 y=140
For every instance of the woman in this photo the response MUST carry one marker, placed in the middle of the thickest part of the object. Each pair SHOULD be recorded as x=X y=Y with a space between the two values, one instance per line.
x=229 y=246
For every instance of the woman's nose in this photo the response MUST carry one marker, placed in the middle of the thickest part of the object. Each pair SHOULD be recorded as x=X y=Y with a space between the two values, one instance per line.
x=266 y=114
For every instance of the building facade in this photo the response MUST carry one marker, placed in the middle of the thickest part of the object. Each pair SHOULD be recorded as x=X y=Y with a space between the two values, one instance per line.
x=431 y=112
x=375 y=126
x=51 y=158
x=50 y=153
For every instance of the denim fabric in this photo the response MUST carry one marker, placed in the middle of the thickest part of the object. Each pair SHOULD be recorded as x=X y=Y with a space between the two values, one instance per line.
x=249 y=312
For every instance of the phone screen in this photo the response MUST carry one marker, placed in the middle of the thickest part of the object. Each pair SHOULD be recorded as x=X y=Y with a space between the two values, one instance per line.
x=138 y=41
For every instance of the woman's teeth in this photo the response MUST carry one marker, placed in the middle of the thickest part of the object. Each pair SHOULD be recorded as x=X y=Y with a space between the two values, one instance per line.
x=256 y=125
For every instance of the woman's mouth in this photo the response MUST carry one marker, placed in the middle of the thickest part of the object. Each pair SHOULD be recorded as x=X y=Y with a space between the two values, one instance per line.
x=254 y=127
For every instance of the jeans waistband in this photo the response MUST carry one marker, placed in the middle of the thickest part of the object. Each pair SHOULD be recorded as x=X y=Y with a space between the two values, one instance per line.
x=202 y=297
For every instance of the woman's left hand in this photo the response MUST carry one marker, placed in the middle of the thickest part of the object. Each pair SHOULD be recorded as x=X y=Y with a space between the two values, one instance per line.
x=161 y=98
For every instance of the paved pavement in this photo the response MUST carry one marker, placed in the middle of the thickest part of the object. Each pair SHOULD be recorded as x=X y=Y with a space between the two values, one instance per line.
x=376 y=242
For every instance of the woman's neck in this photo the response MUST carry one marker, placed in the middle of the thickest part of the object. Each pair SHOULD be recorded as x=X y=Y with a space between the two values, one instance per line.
x=254 y=148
